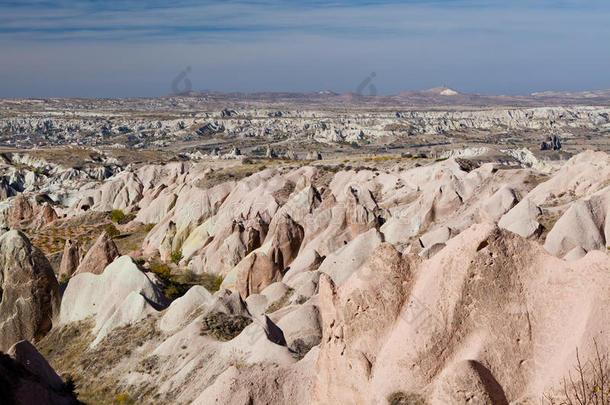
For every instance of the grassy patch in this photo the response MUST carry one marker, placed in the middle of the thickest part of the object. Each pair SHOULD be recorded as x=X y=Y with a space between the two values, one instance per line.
x=210 y=281
x=94 y=371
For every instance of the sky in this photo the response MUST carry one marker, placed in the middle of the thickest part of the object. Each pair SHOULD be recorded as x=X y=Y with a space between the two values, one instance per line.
x=128 y=48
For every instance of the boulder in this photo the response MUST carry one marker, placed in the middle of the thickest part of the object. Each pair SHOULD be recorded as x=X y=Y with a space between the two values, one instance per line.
x=181 y=308
x=27 y=379
x=582 y=225
x=302 y=328
x=29 y=292
x=522 y=219
x=256 y=272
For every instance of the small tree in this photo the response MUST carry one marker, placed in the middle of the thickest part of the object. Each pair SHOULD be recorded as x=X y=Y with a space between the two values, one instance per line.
x=117 y=216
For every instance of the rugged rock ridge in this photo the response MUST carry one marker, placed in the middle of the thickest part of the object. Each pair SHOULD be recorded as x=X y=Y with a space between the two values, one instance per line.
x=325 y=126
x=441 y=281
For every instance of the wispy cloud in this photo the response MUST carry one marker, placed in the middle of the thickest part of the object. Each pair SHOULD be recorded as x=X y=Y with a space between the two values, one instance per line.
x=135 y=20
x=129 y=47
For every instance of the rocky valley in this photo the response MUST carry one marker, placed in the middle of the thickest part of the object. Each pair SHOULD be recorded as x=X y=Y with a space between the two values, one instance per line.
x=426 y=248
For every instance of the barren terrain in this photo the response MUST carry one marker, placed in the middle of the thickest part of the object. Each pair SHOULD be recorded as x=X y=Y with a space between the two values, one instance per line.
x=424 y=248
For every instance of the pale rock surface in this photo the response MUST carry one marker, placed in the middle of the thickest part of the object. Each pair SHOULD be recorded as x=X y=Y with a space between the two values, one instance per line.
x=440 y=235
x=302 y=328
x=499 y=203
x=522 y=219
x=462 y=322
x=100 y=296
x=347 y=260
x=180 y=309
x=575 y=254
x=258 y=303
x=585 y=224
x=134 y=308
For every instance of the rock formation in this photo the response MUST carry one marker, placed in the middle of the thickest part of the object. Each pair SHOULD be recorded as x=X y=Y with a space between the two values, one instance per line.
x=102 y=253
x=71 y=257
x=26 y=378
x=29 y=292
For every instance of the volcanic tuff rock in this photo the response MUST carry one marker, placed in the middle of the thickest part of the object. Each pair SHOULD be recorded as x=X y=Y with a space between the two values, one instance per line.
x=26 y=378
x=461 y=317
x=331 y=125
x=120 y=294
x=348 y=284
x=102 y=253
x=29 y=292
x=70 y=258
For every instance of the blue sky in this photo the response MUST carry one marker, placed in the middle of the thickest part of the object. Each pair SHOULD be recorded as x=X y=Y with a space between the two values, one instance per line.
x=119 y=48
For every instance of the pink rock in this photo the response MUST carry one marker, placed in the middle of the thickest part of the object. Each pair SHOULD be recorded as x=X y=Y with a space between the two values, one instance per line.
x=102 y=253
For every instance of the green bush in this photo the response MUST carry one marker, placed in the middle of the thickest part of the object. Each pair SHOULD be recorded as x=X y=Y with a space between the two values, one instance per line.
x=117 y=216
x=124 y=399
x=189 y=276
x=176 y=256
x=63 y=279
x=173 y=291
x=162 y=270
x=112 y=231
x=149 y=227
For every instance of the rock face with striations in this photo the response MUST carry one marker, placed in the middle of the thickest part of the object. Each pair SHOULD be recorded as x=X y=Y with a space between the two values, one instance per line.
x=71 y=258
x=29 y=292
x=102 y=253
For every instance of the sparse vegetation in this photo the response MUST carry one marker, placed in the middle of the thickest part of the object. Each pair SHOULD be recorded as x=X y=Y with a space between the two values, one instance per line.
x=112 y=231
x=161 y=270
x=188 y=276
x=176 y=256
x=223 y=326
x=149 y=227
x=281 y=303
x=210 y=281
x=401 y=398
x=590 y=383
x=173 y=288
x=222 y=175
x=123 y=399
x=63 y=279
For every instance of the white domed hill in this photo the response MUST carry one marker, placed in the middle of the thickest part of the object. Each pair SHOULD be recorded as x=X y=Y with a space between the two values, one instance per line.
x=443 y=91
